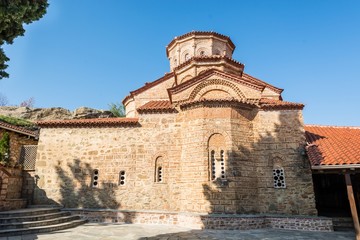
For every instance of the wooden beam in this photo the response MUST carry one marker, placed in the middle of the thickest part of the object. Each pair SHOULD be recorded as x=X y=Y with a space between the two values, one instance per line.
x=351 y=198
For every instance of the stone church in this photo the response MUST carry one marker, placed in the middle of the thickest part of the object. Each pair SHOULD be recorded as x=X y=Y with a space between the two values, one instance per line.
x=205 y=138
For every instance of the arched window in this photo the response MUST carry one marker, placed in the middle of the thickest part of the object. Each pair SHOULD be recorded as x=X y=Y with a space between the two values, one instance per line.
x=217 y=52
x=159 y=169
x=187 y=56
x=202 y=52
x=217 y=158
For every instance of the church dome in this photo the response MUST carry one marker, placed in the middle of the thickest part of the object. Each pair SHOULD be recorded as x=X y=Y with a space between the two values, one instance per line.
x=198 y=44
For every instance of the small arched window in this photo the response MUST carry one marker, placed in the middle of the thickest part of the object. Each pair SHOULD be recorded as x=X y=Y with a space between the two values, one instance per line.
x=187 y=56
x=217 y=159
x=159 y=169
x=217 y=52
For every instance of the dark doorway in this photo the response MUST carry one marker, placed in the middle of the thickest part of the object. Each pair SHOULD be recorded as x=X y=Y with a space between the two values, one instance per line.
x=331 y=195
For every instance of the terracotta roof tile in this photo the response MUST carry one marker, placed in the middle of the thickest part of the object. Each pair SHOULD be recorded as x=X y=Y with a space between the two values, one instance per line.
x=203 y=102
x=156 y=106
x=95 y=122
x=272 y=104
x=250 y=78
x=330 y=145
x=18 y=129
x=209 y=59
x=213 y=71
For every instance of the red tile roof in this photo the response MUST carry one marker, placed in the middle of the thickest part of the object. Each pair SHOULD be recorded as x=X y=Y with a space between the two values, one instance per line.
x=330 y=146
x=22 y=130
x=95 y=122
x=210 y=59
x=199 y=33
x=272 y=104
x=207 y=73
x=156 y=106
x=148 y=85
x=250 y=78
x=207 y=102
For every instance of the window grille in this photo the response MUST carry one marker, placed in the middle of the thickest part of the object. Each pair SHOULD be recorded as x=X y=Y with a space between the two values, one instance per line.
x=122 y=178
x=279 y=178
x=95 y=178
x=28 y=156
x=159 y=174
x=213 y=165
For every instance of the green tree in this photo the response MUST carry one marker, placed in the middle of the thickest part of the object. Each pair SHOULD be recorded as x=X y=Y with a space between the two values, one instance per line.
x=117 y=109
x=13 y=15
x=5 y=148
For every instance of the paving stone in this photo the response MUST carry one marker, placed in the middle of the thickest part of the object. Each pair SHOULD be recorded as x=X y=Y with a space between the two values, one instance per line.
x=168 y=232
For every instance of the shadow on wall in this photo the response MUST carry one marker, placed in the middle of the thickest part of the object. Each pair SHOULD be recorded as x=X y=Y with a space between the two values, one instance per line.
x=270 y=175
x=78 y=189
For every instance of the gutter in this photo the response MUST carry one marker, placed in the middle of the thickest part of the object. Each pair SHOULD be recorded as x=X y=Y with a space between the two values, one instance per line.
x=328 y=167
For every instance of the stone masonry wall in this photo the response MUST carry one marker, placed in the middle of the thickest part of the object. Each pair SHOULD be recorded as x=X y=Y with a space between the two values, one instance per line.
x=278 y=140
x=10 y=189
x=68 y=157
x=254 y=143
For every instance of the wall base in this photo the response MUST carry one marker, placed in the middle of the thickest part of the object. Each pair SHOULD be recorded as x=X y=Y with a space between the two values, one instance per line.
x=207 y=221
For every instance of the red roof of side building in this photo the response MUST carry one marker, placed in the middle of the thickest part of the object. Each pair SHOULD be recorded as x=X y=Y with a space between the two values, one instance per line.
x=330 y=146
x=18 y=129
x=156 y=106
x=95 y=122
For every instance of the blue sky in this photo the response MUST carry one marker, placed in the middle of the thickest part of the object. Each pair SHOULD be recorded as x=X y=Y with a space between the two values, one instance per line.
x=91 y=53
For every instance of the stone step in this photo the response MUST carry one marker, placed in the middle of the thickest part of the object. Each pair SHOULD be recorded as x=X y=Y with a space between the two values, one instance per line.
x=44 y=206
x=41 y=229
x=28 y=212
x=30 y=218
x=31 y=224
x=343 y=224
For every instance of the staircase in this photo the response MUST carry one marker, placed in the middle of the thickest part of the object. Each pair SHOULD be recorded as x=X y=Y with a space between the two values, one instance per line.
x=36 y=220
x=343 y=224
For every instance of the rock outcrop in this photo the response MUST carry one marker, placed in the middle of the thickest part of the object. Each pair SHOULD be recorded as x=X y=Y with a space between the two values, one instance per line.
x=55 y=113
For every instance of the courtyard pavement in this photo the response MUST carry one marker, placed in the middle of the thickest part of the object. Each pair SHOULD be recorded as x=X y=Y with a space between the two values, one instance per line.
x=166 y=232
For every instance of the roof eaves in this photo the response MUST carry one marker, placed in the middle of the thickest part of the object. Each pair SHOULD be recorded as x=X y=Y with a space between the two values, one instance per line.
x=251 y=78
x=18 y=129
x=98 y=122
x=148 y=86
